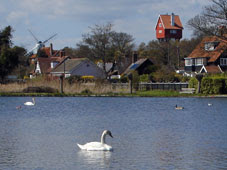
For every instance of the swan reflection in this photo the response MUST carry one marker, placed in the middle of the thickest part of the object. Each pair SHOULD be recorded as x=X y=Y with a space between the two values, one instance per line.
x=95 y=157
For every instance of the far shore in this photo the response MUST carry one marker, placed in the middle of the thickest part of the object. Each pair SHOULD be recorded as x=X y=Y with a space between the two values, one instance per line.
x=154 y=93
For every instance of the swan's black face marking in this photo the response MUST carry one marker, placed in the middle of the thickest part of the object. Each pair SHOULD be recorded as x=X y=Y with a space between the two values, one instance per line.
x=109 y=133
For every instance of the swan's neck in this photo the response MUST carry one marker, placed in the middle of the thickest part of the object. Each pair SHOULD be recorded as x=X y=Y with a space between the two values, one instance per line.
x=33 y=101
x=103 y=138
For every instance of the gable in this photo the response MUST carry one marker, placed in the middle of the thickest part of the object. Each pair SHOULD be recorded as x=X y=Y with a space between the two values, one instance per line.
x=88 y=68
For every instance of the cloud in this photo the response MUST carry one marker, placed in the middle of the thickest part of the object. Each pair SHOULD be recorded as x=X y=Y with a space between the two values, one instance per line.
x=71 y=18
x=16 y=16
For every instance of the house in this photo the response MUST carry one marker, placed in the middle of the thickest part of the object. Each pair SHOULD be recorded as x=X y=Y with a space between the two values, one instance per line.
x=168 y=27
x=141 y=66
x=210 y=56
x=78 y=67
x=45 y=60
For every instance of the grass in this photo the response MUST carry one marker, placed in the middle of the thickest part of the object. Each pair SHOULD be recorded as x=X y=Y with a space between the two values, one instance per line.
x=82 y=89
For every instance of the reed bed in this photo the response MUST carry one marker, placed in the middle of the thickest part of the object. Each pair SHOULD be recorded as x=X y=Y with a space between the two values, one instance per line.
x=75 y=88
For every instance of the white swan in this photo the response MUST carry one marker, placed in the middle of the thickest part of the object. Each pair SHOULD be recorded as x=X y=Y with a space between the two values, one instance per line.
x=98 y=146
x=210 y=104
x=178 y=107
x=30 y=103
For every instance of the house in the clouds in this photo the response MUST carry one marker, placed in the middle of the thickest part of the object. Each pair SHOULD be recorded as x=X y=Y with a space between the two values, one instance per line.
x=169 y=27
x=210 y=56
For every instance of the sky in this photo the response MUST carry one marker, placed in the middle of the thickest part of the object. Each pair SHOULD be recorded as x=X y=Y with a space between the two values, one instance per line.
x=72 y=18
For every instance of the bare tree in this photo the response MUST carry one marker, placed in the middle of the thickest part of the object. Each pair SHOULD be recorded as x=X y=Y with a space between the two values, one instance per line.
x=105 y=44
x=212 y=21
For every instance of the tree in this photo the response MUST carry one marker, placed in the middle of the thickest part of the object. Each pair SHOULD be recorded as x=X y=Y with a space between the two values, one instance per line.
x=9 y=57
x=212 y=21
x=105 y=44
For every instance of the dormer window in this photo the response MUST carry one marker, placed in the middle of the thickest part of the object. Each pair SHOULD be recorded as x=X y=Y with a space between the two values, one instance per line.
x=160 y=24
x=210 y=46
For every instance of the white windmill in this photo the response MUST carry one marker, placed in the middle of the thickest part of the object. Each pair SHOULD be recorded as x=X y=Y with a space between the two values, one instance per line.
x=39 y=44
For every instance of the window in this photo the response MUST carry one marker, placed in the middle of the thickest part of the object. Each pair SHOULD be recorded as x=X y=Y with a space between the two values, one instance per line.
x=188 y=62
x=160 y=31
x=223 y=61
x=210 y=46
x=173 y=31
x=199 y=61
x=160 y=24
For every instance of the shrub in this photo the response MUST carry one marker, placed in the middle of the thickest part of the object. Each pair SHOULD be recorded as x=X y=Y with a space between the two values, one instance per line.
x=207 y=85
x=144 y=78
x=193 y=83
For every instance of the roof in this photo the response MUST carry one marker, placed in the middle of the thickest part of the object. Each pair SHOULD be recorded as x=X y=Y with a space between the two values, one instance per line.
x=166 y=21
x=135 y=65
x=45 y=63
x=212 y=69
x=68 y=65
x=200 y=52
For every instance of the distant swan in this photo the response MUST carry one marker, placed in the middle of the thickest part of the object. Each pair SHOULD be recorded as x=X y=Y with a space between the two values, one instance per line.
x=98 y=146
x=178 y=107
x=209 y=104
x=30 y=103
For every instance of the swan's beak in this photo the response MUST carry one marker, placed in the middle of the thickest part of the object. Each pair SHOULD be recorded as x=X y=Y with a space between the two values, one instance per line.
x=110 y=135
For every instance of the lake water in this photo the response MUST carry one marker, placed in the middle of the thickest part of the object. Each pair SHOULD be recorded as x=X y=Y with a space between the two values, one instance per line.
x=148 y=133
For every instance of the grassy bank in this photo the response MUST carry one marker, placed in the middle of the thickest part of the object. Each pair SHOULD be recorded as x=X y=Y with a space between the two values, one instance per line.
x=153 y=93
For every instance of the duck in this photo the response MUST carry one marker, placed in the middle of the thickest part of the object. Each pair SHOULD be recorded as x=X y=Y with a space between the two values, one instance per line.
x=18 y=107
x=98 y=146
x=30 y=103
x=178 y=107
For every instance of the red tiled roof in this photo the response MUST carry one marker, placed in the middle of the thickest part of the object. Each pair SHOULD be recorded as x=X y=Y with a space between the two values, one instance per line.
x=166 y=20
x=200 y=52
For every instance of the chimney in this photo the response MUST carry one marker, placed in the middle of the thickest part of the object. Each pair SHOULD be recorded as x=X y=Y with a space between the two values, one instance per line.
x=135 y=57
x=172 y=19
x=51 y=49
x=62 y=53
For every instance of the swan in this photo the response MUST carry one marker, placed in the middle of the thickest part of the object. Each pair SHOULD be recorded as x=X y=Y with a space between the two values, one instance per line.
x=30 y=103
x=98 y=146
x=178 y=107
x=210 y=104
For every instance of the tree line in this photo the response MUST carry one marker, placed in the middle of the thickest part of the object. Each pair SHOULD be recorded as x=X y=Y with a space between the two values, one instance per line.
x=104 y=44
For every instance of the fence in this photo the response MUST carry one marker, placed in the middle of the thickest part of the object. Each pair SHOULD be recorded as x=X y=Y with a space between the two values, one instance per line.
x=153 y=86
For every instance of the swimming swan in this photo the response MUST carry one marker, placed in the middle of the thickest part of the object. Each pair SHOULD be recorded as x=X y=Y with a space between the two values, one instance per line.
x=30 y=103
x=98 y=146
x=178 y=107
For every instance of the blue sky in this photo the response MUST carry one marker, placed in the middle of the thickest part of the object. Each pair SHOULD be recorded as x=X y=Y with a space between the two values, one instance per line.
x=72 y=18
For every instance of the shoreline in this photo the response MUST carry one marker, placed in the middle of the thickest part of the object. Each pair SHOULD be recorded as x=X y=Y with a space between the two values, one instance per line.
x=136 y=94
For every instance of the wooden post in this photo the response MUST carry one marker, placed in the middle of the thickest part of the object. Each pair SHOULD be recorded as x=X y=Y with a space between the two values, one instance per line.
x=130 y=81
x=61 y=84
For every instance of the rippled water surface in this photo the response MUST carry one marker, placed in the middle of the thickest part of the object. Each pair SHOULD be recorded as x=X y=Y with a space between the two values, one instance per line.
x=148 y=133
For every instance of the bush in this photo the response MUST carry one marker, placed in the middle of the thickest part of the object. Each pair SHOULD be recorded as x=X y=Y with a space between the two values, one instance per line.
x=41 y=89
x=214 y=85
x=144 y=78
x=207 y=85
x=193 y=83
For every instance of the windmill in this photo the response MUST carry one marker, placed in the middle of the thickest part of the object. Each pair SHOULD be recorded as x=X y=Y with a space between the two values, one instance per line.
x=39 y=44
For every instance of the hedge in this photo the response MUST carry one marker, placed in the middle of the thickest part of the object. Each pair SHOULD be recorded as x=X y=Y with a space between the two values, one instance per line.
x=214 y=85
